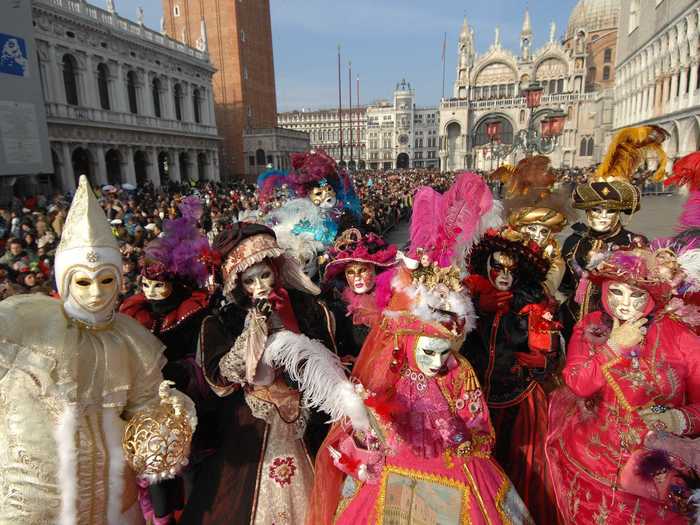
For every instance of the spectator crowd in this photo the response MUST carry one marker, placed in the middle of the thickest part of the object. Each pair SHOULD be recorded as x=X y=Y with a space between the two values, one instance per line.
x=30 y=228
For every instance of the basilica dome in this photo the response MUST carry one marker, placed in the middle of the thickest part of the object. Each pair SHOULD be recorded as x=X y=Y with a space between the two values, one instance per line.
x=593 y=15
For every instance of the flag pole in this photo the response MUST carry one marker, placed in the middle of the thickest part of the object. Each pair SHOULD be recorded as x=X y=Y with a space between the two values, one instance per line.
x=350 y=105
x=444 y=45
x=340 y=108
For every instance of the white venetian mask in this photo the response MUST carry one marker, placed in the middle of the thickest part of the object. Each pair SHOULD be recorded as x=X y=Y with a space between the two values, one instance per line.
x=431 y=354
x=626 y=302
x=94 y=292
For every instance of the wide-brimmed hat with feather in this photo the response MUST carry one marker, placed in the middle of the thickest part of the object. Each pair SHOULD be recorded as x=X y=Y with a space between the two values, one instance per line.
x=611 y=185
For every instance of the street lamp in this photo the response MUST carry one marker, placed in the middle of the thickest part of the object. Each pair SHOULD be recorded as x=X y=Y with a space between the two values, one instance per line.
x=531 y=140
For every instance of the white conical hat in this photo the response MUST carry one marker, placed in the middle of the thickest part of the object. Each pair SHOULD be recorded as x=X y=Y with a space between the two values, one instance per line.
x=87 y=240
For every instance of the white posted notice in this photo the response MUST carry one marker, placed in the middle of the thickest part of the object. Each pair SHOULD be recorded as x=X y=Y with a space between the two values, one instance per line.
x=19 y=132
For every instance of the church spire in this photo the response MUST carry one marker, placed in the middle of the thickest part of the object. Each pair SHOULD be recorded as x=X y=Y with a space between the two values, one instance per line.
x=526 y=37
x=527 y=26
x=202 y=43
x=465 y=59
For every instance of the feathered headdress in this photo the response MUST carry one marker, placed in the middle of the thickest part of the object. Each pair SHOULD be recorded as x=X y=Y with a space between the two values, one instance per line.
x=531 y=198
x=311 y=169
x=269 y=182
x=532 y=174
x=182 y=250
x=445 y=226
x=686 y=172
x=611 y=185
x=629 y=149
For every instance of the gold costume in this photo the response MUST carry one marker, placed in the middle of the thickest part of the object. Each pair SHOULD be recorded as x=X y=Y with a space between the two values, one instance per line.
x=65 y=393
x=71 y=373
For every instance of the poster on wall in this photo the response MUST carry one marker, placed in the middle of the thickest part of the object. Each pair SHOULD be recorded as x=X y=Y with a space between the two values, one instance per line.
x=24 y=143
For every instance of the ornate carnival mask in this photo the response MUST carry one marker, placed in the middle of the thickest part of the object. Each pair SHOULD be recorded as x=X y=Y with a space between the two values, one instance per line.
x=361 y=277
x=258 y=281
x=626 y=302
x=323 y=196
x=601 y=219
x=500 y=267
x=156 y=290
x=431 y=354
x=537 y=232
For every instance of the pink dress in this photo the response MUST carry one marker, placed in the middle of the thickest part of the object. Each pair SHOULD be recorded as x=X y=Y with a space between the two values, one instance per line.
x=438 y=468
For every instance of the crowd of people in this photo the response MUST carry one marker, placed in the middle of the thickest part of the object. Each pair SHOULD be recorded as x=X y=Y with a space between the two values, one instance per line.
x=30 y=228
x=275 y=360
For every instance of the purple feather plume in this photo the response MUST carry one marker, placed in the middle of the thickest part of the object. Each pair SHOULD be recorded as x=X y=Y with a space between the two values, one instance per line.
x=182 y=244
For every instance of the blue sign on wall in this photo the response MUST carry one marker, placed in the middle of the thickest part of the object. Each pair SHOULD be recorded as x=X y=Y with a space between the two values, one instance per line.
x=13 y=56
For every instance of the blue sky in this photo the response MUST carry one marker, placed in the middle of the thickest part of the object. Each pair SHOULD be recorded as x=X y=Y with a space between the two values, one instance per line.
x=387 y=40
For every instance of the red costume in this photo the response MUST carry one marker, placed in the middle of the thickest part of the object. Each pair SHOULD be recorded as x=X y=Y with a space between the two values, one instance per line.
x=596 y=433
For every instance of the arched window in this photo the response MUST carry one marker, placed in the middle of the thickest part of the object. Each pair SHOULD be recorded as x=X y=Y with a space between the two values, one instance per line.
x=607 y=55
x=197 y=104
x=522 y=116
x=552 y=87
x=70 y=79
x=155 y=88
x=177 y=95
x=589 y=147
x=583 y=148
x=131 y=91
x=560 y=85
x=606 y=73
x=260 y=157
x=103 y=85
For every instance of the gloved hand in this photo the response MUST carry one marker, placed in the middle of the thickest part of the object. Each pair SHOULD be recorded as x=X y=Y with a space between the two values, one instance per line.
x=626 y=335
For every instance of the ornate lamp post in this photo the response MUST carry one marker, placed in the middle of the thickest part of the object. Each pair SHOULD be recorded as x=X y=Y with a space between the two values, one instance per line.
x=531 y=140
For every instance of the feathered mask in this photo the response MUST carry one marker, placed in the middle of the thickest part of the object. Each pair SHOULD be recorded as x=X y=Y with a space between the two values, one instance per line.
x=445 y=226
x=180 y=251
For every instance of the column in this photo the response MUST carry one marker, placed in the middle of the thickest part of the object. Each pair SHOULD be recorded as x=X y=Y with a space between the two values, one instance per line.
x=193 y=164
x=67 y=174
x=210 y=104
x=90 y=98
x=98 y=151
x=166 y=98
x=174 y=166
x=186 y=102
x=146 y=94
x=684 y=82
x=674 y=86
x=129 y=171
x=216 y=169
x=693 y=84
x=152 y=167
x=119 y=90
x=58 y=93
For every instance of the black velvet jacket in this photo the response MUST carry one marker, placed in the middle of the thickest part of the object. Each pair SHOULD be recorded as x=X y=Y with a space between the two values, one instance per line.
x=492 y=346
x=575 y=253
